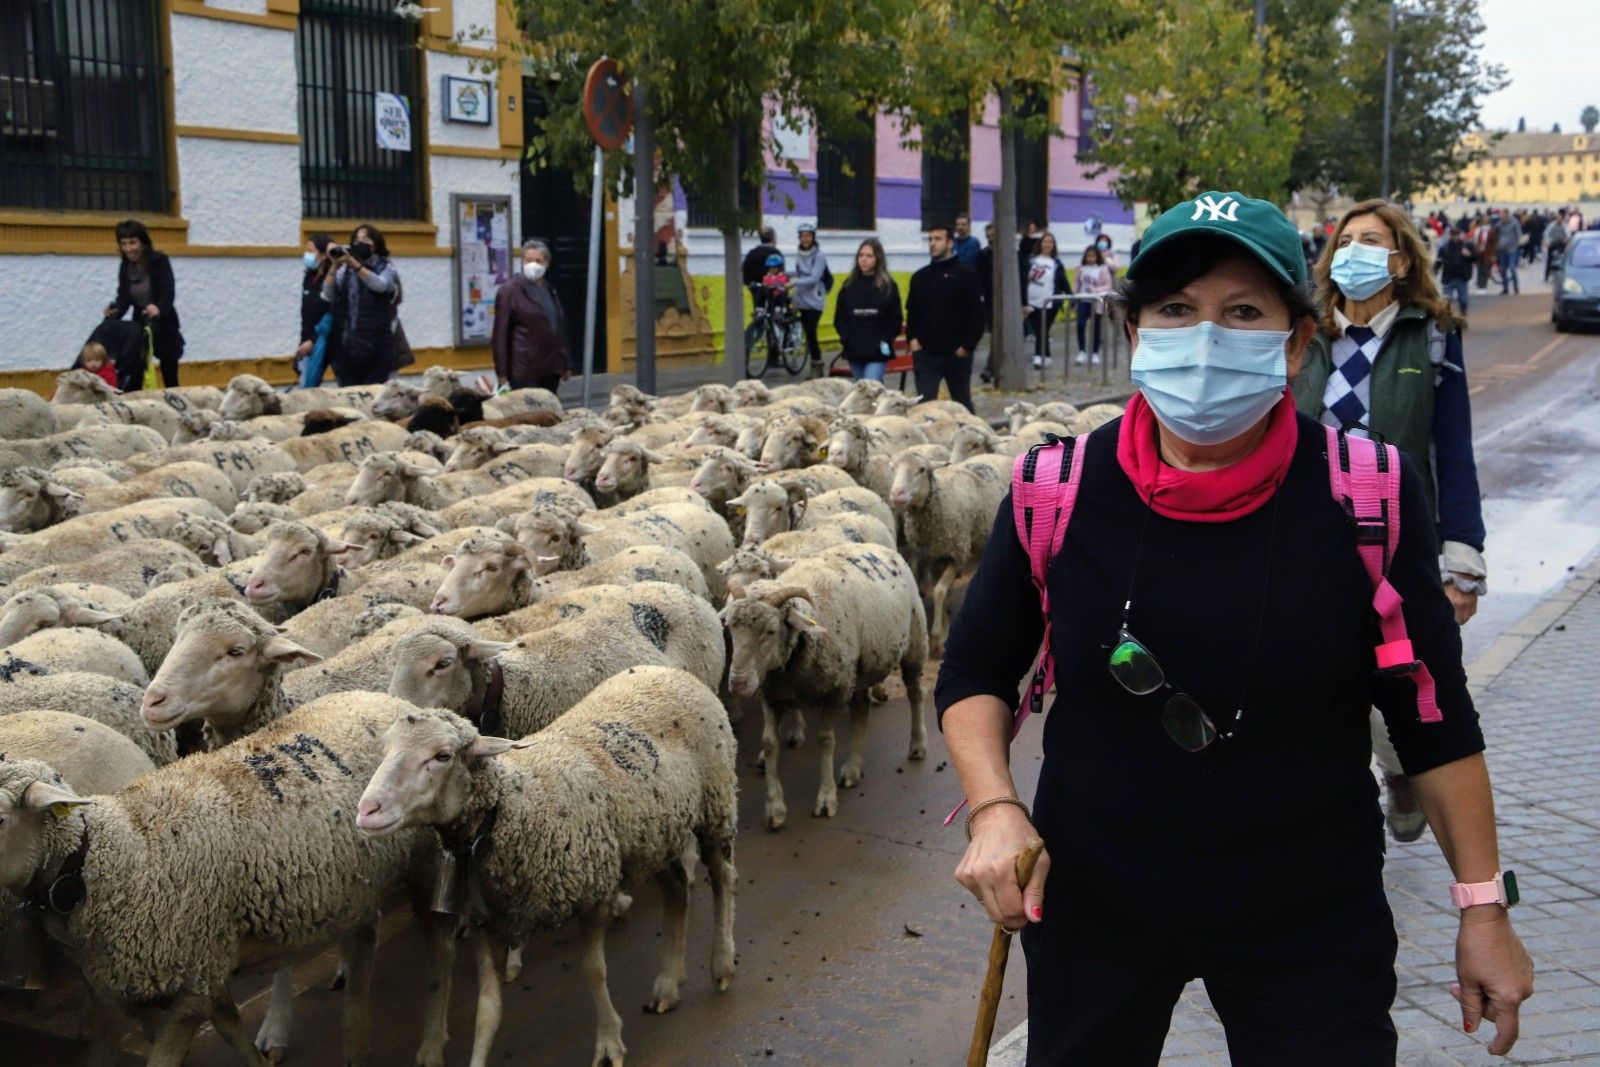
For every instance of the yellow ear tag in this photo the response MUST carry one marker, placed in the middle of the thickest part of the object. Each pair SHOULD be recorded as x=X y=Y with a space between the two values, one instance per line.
x=807 y=619
x=61 y=810
x=822 y=453
x=736 y=508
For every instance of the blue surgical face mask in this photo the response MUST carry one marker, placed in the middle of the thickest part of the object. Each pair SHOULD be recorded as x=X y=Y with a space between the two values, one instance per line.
x=1361 y=271
x=1209 y=384
x=309 y=259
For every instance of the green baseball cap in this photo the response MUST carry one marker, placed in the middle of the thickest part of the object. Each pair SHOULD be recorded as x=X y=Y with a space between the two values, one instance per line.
x=1257 y=225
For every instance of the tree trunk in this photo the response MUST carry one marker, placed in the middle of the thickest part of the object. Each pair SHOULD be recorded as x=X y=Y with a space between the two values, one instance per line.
x=733 y=297
x=644 y=259
x=1010 y=362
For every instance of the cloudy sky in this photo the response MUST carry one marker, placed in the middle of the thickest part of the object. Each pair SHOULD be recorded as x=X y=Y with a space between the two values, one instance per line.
x=1547 y=46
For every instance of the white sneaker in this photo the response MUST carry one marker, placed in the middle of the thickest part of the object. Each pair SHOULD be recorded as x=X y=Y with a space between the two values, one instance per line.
x=1083 y=357
x=1096 y=359
x=1037 y=363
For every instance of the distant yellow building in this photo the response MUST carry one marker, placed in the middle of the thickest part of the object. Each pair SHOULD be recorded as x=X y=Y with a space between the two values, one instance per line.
x=1527 y=168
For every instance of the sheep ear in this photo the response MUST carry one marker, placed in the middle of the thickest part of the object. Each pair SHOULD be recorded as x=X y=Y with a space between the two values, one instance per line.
x=282 y=650
x=83 y=615
x=413 y=470
x=58 y=800
x=271 y=403
x=60 y=492
x=448 y=562
x=422 y=529
x=485 y=747
x=506 y=524
x=223 y=551
x=585 y=529
x=656 y=457
x=797 y=617
x=335 y=548
x=404 y=537
x=482 y=650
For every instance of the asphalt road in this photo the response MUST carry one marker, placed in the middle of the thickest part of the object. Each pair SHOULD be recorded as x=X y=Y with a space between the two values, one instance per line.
x=855 y=946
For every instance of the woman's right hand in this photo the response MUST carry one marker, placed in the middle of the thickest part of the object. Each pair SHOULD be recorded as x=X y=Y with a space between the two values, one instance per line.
x=304 y=349
x=111 y=311
x=989 y=869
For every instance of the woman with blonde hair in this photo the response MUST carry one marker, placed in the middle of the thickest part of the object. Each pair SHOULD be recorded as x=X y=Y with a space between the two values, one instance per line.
x=1387 y=359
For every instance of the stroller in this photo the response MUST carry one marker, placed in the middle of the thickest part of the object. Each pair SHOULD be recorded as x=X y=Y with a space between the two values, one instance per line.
x=129 y=345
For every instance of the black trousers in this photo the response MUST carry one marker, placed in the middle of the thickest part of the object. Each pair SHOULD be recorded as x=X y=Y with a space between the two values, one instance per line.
x=955 y=371
x=1315 y=994
x=169 y=368
x=808 y=322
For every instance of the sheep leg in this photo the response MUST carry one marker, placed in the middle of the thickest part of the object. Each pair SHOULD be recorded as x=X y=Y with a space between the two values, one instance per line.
x=717 y=854
x=827 y=791
x=911 y=675
x=225 y=1017
x=435 y=1018
x=273 y=1036
x=674 y=883
x=488 y=1017
x=608 y=1048
x=777 y=812
x=176 y=1033
x=851 y=774
x=359 y=949
x=513 y=968
x=939 y=621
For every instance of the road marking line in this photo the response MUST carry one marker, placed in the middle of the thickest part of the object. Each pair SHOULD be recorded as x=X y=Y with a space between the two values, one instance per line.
x=1533 y=360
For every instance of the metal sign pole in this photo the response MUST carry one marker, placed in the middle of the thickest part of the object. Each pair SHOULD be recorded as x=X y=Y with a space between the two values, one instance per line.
x=597 y=197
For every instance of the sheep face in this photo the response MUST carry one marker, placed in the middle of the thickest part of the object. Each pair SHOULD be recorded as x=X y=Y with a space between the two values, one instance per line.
x=750 y=394
x=207 y=538
x=1020 y=413
x=863 y=398
x=766 y=506
x=791 y=443
x=37 y=609
x=253 y=518
x=625 y=468
x=248 y=396
x=482 y=579
x=847 y=448
x=396 y=400
x=30 y=501
x=432 y=671
x=383 y=476
x=82 y=387
x=583 y=457
x=549 y=535
x=750 y=564
x=194 y=426
x=474 y=448
x=429 y=444
x=296 y=563
x=969 y=441
x=713 y=397
x=713 y=430
x=913 y=480
x=373 y=537
x=32 y=798
x=723 y=474
x=219 y=661
x=894 y=404
x=440 y=382
x=764 y=626
x=424 y=778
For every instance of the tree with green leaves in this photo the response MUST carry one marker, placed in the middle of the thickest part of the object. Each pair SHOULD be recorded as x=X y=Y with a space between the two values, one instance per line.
x=1194 y=99
x=1590 y=118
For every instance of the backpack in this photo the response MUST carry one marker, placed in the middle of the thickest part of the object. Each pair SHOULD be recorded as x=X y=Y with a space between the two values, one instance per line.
x=1364 y=478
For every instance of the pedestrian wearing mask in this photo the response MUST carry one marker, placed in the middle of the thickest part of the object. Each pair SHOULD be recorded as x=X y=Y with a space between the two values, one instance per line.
x=1207 y=612
x=530 y=331
x=1388 y=359
x=811 y=281
x=1094 y=277
x=1046 y=282
x=1104 y=243
x=867 y=313
x=145 y=286
x=363 y=290
x=316 y=313
x=944 y=321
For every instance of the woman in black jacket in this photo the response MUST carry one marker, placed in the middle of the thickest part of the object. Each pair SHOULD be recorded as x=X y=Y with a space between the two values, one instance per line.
x=145 y=284
x=867 y=313
x=314 y=307
x=363 y=289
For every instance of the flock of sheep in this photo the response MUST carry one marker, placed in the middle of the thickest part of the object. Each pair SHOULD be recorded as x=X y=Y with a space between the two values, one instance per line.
x=272 y=662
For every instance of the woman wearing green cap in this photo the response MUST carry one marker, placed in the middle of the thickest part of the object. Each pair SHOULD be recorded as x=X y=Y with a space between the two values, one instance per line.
x=1205 y=794
x=1388 y=357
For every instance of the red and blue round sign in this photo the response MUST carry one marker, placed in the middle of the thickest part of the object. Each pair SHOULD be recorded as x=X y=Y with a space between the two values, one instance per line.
x=607 y=105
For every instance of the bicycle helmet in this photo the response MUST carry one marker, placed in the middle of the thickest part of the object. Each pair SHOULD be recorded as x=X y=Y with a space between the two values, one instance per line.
x=775 y=260
x=807 y=227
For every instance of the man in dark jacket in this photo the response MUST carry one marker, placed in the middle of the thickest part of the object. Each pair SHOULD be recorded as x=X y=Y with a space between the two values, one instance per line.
x=1457 y=257
x=755 y=260
x=530 y=334
x=944 y=321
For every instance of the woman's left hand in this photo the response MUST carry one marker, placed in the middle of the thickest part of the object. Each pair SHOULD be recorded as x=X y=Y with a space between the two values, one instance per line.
x=151 y=311
x=1494 y=974
x=1466 y=604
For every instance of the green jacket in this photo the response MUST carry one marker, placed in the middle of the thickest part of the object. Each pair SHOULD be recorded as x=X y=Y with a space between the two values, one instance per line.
x=1404 y=377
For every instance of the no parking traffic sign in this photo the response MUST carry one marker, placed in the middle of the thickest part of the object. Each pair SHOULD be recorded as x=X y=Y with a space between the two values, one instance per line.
x=607 y=106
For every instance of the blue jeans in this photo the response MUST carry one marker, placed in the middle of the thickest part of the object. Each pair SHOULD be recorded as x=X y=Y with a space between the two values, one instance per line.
x=1457 y=291
x=872 y=372
x=1508 y=272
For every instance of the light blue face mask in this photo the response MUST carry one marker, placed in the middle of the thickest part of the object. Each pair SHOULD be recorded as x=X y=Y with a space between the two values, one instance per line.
x=1361 y=271
x=1209 y=384
x=309 y=259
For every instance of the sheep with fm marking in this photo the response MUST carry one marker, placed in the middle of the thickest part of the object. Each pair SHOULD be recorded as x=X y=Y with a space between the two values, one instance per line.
x=347 y=444
x=474 y=448
x=88 y=538
x=835 y=625
x=636 y=781
x=115 y=442
x=277 y=863
x=239 y=460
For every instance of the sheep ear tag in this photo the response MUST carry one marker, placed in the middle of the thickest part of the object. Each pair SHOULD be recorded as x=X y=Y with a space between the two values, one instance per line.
x=822 y=452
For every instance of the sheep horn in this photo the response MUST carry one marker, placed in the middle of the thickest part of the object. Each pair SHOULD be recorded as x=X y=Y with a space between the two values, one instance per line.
x=777 y=597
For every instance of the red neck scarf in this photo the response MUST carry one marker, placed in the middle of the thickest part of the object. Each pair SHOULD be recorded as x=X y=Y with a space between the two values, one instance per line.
x=1222 y=495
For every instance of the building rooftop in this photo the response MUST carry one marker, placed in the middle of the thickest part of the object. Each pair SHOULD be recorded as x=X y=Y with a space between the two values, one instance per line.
x=1533 y=144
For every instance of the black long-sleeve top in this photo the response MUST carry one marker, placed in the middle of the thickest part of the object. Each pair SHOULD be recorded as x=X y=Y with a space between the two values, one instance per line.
x=313 y=305
x=1280 y=816
x=944 y=308
x=166 y=333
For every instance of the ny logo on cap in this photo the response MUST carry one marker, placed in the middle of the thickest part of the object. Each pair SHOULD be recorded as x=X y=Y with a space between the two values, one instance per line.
x=1226 y=209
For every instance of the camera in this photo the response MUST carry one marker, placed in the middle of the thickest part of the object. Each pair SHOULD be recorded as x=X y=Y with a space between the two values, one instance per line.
x=337 y=251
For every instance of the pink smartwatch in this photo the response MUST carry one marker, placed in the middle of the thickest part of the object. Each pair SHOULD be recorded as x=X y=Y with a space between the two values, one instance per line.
x=1501 y=891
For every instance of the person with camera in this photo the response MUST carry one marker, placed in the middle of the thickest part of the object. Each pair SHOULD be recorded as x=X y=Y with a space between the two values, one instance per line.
x=363 y=290
x=146 y=287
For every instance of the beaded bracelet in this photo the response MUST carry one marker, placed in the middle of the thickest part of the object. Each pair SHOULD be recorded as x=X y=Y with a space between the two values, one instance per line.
x=991 y=802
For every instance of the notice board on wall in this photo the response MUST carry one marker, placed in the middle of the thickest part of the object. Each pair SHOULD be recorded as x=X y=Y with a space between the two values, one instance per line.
x=482 y=260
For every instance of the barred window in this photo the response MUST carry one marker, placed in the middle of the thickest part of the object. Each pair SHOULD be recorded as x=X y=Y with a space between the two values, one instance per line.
x=347 y=52
x=82 y=106
x=847 y=181
x=1033 y=166
x=946 y=172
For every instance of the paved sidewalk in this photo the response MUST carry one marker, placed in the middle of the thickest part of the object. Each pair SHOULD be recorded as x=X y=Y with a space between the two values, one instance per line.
x=1539 y=706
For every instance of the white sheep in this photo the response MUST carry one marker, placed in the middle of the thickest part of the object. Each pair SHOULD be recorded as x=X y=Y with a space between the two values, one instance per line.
x=127 y=568
x=863 y=397
x=367 y=663
x=248 y=396
x=250 y=518
x=24 y=414
x=86 y=537
x=239 y=460
x=394 y=476
x=31 y=499
x=90 y=442
x=835 y=625
x=490 y=508
x=27 y=686
x=642 y=563
x=86 y=387
x=476 y=447
x=694 y=530
x=90 y=756
x=520 y=401
x=377 y=534
x=70 y=648
x=29 y=611
x=794 y=441
x=771 y=508
x=635 y=781
x=946 y=513
x=428 y=443
x=350 y=443
x=629 y=467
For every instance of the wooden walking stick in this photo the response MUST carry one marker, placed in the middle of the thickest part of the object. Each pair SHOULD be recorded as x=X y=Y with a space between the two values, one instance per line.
x=999 y=952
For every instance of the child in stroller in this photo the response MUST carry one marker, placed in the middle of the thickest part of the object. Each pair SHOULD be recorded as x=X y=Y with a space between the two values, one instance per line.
x=127 y=346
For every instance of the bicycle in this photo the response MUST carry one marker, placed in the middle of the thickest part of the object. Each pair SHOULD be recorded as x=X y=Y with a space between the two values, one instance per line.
x=774 y=336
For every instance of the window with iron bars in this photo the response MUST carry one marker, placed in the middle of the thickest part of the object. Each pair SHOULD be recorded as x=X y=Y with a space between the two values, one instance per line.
x=847 y=182
x=82 y=106
x=348 y=51
x=946 y=173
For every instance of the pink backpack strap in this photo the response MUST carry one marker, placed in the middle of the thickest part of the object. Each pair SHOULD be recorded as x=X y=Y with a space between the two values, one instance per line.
x=1364 y=477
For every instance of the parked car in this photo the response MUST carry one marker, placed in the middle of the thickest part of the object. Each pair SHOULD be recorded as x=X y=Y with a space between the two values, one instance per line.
x=1576 y=294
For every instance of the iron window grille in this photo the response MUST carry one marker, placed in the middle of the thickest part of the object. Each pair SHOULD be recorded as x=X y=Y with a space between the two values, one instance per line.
x=946 y=173
x=847 y=182
x=82 y=106
x=347 y=51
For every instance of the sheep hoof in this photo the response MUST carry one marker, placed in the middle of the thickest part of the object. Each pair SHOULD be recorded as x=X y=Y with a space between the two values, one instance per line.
x=275 y=1054
x=850 y=778
x=661 y=1003
x=607 y=1058
x=619 y=906
x=826 y=808
x=878 y=694
x=918 y=752
x=513 y=967
x=776 y=818
x=724 y=982
x=795 y=737
x=430 y=1058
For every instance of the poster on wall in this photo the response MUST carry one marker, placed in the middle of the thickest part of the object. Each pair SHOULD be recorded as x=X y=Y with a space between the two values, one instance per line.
x=482 y=262
x=393 y=116
x=467 y=100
